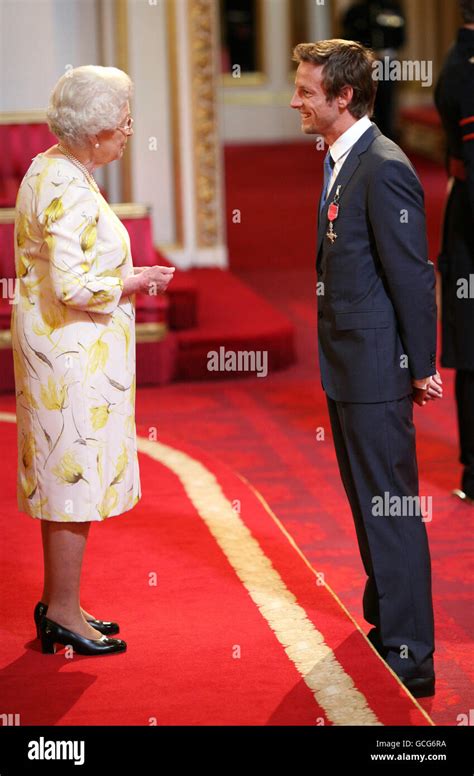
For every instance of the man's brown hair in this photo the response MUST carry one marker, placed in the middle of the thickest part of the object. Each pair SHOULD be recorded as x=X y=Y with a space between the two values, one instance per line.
x=345 y=63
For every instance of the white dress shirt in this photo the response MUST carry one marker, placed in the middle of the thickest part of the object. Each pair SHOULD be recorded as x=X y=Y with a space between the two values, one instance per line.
x=341 y=147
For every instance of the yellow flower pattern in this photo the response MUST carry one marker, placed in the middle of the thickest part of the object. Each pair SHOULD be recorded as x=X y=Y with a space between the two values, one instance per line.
x=54 y=211
x=54 y=396
x=69 y=470
x=99 y=416
x=73 y=339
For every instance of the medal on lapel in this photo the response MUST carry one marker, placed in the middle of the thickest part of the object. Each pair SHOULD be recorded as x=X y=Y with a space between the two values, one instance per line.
x=333 y=212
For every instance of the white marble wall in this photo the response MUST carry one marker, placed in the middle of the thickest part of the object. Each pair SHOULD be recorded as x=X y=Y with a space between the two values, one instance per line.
x=38 y=39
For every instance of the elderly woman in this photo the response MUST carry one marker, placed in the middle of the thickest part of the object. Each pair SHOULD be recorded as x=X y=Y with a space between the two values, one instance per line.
x=73 y=343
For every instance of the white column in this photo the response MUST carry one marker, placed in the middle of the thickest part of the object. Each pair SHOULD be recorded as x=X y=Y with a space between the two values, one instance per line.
x=319 y=20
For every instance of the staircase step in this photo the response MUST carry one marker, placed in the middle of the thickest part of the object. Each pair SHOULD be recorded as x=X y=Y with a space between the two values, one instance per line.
x=231 y=316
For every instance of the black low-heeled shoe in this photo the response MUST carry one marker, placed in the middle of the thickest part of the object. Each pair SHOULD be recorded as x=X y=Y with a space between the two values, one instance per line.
x=103 y=626
x=52 y=633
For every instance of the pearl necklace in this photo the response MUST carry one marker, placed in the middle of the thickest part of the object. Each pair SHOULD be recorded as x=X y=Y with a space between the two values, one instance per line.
x=82 y=167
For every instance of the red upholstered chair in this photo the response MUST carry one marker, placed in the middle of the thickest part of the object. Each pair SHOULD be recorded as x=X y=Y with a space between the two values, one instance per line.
x=156 y=348
x=7 y=290
x=178 y=307
x=7 y=248
x=22 y=137
x=182 y=292
x=136 y=219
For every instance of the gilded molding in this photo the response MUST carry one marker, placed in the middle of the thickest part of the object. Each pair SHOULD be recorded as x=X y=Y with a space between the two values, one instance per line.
x=121 y=209
x=7 y=215
x=202 y=46
x=23 y=117
x=130 y=210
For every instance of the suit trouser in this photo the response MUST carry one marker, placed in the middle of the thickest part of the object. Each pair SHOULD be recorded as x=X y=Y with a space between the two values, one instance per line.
x=465 y=406
x=376 y=453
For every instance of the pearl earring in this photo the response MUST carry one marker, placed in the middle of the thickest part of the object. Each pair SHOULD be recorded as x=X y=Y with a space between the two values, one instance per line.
x=96 y=145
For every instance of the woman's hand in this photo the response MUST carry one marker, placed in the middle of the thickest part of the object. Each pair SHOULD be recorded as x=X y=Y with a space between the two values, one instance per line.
x=147 y=280
x=153 y=280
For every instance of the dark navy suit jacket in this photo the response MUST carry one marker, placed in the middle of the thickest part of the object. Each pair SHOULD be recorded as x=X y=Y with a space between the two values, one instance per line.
x=377 y=312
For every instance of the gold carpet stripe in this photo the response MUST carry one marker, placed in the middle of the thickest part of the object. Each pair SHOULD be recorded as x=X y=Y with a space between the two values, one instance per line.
x=332 y=687
x=8 y=417
x=332 y=593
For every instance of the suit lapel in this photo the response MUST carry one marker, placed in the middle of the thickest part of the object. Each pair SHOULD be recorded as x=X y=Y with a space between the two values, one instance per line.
x=348 y=169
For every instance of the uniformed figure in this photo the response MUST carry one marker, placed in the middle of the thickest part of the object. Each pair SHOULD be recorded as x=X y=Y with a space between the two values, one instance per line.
x=454 y=99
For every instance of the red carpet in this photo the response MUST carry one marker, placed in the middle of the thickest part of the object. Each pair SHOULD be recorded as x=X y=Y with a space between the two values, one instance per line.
x=234 y=628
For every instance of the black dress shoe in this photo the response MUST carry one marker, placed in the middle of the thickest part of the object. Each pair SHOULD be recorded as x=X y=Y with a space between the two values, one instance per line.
x=107 y=628
x=52 y=633
x=419 y=686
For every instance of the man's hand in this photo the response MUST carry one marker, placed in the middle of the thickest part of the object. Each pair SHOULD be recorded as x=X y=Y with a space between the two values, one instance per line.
x=427 y=388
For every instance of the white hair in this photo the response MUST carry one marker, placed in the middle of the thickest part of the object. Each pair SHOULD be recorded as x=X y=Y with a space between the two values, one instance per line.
x=87 y=100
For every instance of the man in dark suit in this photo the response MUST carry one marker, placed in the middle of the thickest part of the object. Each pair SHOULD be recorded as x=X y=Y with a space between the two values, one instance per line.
x=454 y=99
x=377 y=343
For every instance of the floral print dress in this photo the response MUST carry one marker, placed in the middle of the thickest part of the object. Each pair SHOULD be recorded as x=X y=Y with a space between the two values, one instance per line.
x=73 y=341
